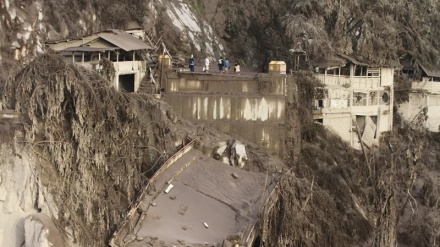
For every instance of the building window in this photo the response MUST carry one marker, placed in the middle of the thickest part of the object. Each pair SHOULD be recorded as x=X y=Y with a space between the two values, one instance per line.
x=373 y=98
x=359 y=99
x=384 y=98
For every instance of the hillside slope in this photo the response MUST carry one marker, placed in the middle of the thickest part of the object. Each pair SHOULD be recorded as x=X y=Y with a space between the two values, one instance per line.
x=255 y=31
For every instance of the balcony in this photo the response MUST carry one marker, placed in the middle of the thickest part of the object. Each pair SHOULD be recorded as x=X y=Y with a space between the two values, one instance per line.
x=430 y=86
x=344 y=80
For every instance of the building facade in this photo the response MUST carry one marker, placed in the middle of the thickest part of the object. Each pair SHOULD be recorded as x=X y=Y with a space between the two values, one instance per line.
x=126 y=50
x=424 y=94
x=356 y=99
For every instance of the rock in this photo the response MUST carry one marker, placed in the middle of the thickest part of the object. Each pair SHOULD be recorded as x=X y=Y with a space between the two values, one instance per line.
x=153 y=204
x=172 y=197
x=238 y=154
x=234 y=175
x=220 y=149
x=206 y=225
x=39 y=229
x=182 y=209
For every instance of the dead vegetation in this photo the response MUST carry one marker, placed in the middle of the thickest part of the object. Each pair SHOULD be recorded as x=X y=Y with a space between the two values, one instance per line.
x=374 y=31
x=337 y=196
x=95 y=147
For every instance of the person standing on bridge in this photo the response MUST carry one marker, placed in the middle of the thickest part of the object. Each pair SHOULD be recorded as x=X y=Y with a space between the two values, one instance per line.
x=191 y=63
x=237 y=67
x=227 y=66
x=206 y=65
x=220 y=65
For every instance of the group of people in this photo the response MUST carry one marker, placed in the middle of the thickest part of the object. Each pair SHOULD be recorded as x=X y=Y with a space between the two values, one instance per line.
x=223 y=65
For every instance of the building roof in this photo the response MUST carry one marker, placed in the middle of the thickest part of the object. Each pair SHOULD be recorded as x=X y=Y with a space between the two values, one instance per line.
x=352 y=60
x=118 y=38
x=340 y=60
x=329 y=62
x=395 y=64
x=430 y=72
x=124 y=40
x=87 y=48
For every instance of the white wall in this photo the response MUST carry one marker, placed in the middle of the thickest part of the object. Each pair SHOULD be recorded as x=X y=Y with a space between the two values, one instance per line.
x=417 y=101
x=341 y=124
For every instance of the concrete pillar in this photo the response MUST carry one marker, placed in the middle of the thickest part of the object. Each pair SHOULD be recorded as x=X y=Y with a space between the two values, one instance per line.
x=117 y=81
x=391 y=107
x=368 y=98
x=352 y=70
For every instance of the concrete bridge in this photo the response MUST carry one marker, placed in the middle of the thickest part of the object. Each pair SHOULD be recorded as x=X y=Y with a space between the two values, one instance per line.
x=193 y=200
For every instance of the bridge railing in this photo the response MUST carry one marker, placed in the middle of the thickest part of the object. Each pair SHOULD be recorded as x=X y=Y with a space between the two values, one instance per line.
x=252 y=231
x=141 y=197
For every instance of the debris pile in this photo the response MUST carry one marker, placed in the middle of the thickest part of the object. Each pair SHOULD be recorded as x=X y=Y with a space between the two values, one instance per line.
x=232 y=152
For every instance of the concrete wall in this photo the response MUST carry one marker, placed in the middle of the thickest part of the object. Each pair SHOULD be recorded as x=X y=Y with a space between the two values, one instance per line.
x=250 y=107
x=260 y=84
x=138 y=68
x=341 y=124
x=419 y=100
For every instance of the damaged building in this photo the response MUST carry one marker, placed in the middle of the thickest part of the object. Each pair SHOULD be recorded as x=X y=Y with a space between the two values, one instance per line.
x=356 y=99
x=125 y=52
x=424 y=93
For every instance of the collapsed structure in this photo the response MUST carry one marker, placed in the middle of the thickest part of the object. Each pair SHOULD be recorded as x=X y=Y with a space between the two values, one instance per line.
x=194 y=200
x=424 y=93
x=356 y=100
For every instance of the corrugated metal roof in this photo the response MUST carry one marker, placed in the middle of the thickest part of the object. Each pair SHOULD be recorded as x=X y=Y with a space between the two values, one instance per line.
x=352 y=60
x=87 y=48
x=329 y=62
x=124 y=40
x=430 y=72
x=395 y=64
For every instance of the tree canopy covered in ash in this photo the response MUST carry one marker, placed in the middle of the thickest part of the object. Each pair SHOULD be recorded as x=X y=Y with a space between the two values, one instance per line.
x=377 y=31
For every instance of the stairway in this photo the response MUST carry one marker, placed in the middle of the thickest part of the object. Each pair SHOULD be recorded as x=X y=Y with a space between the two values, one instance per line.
x=146 y=87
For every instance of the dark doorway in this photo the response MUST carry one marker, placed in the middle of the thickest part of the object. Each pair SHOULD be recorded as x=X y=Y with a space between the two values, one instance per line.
x=319 y=120
x=126 y=83
x=257 y=242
